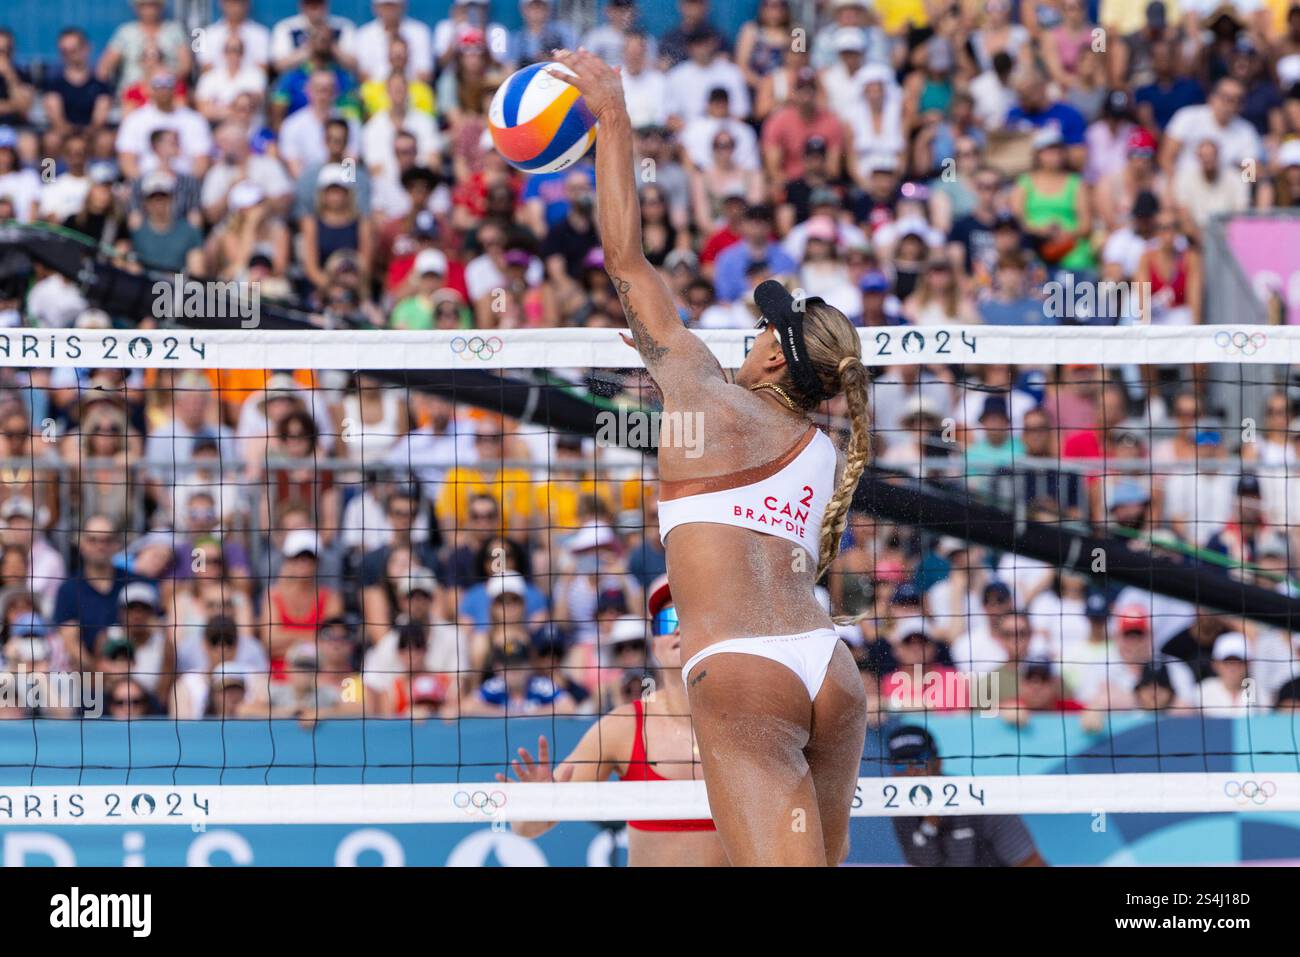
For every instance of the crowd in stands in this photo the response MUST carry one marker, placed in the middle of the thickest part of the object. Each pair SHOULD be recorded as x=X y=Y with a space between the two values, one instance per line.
x=244 y=544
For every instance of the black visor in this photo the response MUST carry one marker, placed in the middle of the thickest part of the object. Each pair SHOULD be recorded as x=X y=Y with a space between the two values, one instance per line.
x=786 y=314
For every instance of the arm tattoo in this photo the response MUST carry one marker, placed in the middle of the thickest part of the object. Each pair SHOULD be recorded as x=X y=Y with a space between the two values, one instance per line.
x=651 y=351
x=698 y=678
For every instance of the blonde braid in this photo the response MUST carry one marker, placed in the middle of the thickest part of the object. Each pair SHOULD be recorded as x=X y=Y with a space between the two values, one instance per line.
x=853 y=380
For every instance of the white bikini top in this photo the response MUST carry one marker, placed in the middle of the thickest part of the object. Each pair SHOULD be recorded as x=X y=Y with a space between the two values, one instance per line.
x=786 y=497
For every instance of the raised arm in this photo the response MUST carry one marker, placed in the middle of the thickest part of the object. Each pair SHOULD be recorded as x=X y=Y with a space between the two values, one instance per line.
x=675 y=357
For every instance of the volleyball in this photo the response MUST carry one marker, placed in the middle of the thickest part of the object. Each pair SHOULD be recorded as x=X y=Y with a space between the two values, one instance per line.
x=539 y=123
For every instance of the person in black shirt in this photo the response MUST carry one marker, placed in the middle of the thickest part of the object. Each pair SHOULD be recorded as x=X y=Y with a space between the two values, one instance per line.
x=971 y=244
x=695 y=20
x=74 y=96
x=956 y=840
x=15 y=85
x=1195 y=643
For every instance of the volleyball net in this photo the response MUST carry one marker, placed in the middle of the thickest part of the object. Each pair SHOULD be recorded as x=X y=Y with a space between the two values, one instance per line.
x=258 y=576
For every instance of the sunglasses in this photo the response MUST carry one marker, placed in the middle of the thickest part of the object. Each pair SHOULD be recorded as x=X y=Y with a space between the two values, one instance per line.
x=666 y=622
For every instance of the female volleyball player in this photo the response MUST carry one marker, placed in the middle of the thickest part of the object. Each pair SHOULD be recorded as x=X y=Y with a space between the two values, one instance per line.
x=647 y=740
x=750 y=524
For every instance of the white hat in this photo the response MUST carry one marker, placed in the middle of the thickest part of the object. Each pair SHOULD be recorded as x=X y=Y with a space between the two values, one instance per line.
x=592 y=536
x=510 y=583
x=1231 y=644
x=420 y=579
x=849 y=40
x=626 y=628
x=300 y=541
x=430 y=261
x=159 y=181
x=245 y=194
x=301 y=651
x=1288 y=154
x=920 y=405
x=874 y=73
x=333 y=174
x=228 y=673
x=1288 y=71
x=139 y=593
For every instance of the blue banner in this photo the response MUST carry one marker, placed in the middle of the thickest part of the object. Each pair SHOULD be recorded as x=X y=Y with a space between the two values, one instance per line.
x=68 y=754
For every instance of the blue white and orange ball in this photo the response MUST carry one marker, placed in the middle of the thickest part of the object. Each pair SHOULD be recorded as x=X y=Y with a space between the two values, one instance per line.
x=539 y=123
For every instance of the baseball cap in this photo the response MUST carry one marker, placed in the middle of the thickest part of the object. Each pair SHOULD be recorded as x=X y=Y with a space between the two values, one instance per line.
x=996 y=591
x=1047 y=136
x=510 y=583
x=906 y=594
x=1132 y=618
x=1289 y=154
x=157 y=182
x=994 y=405
x=163 y=81
x=245 y=194
x=8 y=138
x=301 y=541
x=431 y=261
x=1118 y=103
x=1146 y=205
x=1231 y=644
x=139 y=593
x=874 y=281
x=911 y=743
x=627 y=630
x=658 y=596
x=1097 y=605
x=592 y=536
x=333 y=174
x=1141 y=141
x=30 y=624
x=420 y=579
x=425 y=225
x=1248 y=484
x=815 y=144
x=848 y=40
x=1128 y=493
x=1155 y=673
x=16 y=506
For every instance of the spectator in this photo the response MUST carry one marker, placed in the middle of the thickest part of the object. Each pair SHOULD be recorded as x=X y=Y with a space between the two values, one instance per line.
x=165 y=240
x=124 y=60
x=953 y=841
x=74 y=96
x=163 y=111
x=290 y=46
x=607 y=39
x=253 y=41
x=691 y=83
x=373 y=41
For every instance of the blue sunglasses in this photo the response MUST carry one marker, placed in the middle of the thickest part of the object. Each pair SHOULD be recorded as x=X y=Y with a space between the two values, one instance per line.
x=665 y=621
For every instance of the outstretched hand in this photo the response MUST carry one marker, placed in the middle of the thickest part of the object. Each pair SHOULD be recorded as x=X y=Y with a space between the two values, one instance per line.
x=538 y=772
x=597 y=81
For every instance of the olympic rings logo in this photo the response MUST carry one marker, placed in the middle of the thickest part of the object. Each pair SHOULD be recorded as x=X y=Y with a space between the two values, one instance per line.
x=479 y=802
x=1240 y=343
x=1250 y=792
x=477 y=347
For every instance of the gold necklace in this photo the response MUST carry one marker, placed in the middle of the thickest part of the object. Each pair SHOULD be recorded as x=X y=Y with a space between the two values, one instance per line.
x=780 y=392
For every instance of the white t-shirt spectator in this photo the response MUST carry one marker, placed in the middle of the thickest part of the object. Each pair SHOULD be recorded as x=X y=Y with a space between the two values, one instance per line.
x=191 y=128
x=699 y=134
x=482 y=276
x=266 y=171
x=218 y=86
x=372 y=49
x=302 y=139
x=255 y=37
x=1237 y=141
x=690 y=85
x=54 y=303
x=379 y=132
x=646 y=95
x=1125 y=249
x=291 y=33
x=23 y=187
x=446 y=33
x=64 y=197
